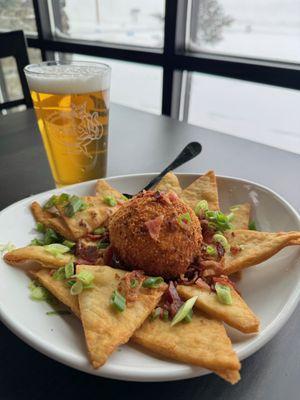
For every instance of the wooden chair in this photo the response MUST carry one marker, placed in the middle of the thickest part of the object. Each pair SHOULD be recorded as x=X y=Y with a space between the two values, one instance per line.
x=13 y=44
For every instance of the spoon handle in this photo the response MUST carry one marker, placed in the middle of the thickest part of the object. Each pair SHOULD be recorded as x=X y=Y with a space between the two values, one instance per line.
x=188 y=153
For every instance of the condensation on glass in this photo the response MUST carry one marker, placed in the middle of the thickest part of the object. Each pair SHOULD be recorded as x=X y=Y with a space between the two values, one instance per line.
x=132 y=22
x=263 y=29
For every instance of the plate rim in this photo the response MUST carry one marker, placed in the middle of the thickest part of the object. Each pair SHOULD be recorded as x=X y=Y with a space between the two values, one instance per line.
x=184 y=371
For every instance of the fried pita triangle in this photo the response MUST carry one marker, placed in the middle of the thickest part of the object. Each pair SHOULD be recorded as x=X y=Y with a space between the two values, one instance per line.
x=241 y=216
x=87 y=220
x=237 y=315
x=104 y=327
x=51 y=221
x=203 y=188
x=249 y=248
x=59 y=289
x=230 y=375
x=203 y=342
x=103 y=189
x=169 y=182
x=32 y=256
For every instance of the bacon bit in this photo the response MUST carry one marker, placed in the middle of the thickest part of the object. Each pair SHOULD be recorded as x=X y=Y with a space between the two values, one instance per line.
x=234 y=250
x=220 y=250
x=171 y=300
x=82 y=261
x=172 y=197
x=202 y=284
x=82 y=224
x=154 y=226
x=207 y=231
x=87 y=251
x=93 y=237
x=125 y=288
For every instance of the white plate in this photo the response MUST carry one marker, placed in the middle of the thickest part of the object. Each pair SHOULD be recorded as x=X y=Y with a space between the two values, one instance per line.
x=272 y=289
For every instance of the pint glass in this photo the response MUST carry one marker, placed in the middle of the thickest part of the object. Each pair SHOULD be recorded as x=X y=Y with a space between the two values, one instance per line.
x=71 y=102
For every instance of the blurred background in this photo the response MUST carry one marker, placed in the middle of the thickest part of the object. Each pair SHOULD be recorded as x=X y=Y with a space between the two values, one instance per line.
x=227 y=65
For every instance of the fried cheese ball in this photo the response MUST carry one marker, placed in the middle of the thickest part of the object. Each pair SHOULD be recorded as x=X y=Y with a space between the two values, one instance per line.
x=156 y=233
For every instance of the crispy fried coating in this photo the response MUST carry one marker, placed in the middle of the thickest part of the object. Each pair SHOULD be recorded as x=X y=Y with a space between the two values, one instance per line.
x=169 y=182
x=203 y=188
x=238 y=314
x=59 y=289
x=171 y=252
x=105 y=328
x=32 y=256
x=249 y=248
x=203 y=342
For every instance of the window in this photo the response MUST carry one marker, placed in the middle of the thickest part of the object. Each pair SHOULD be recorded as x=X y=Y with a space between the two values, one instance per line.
x=261 y=113
x=10 y=86
x=131 y=22
x=259 y=29
x=17 y=14
x=134 y=85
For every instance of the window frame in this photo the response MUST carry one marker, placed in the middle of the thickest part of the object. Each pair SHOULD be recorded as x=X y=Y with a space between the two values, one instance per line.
x=173 y=58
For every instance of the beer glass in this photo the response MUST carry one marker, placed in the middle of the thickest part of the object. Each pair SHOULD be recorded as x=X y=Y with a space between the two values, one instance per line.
x=71 y=102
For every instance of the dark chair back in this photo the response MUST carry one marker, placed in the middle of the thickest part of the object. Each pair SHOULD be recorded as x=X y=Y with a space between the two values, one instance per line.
x=13 y=44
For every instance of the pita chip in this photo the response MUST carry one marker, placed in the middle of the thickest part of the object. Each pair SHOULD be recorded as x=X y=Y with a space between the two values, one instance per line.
x=241 y=216
x=32 y=256
x=203 y=188
x=93 y=216
x=106 y=328
x=249 y=248
x=168 y=183
x=203 y=342
x=230 y=375
x=58 y=289
x=238 y=315
x=103 y=189
x=51 y=221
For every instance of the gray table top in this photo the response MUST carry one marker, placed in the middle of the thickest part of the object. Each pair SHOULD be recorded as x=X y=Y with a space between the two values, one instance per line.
x=140 y=142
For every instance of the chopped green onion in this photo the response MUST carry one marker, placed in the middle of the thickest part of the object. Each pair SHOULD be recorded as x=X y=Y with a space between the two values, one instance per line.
x=37 y=242
x=58 y=312
x=202 y=205
x=74 y=205
x=100 y=231
x=71 y=283
x=152 y=282
x=56 y=249
x=62 y=198
x=85 y=277
x=184 y=310
x=124 y=197
x=218 y=238
x=38 y=292
x=211 y=250
x=40 y=227
x=59 y=274
x=6 y=247
x=133 y=283
x=103 y=245
x=230 y=217
x=252 y=226
x=51 y=202
x=76 y=288
x=156 y=313
x=184 y=219
x=218 y=220
x=189 y=316
x=68 y=243
x=69 y=270
x=110 y=201
x=223 y=293
x=118 y=301
x=50 y=236
x=165 y=315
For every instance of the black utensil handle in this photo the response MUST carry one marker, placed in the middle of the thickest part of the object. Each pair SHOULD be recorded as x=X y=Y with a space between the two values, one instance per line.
x=188 y=153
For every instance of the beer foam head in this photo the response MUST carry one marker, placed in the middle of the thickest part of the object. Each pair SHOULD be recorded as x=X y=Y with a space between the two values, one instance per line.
x=60 y=78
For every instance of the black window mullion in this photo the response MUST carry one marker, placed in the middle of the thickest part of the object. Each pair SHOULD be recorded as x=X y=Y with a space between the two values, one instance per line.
x=43 y=24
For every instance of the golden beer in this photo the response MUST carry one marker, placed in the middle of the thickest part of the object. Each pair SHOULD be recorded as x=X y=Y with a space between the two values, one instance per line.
x=72 y=108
